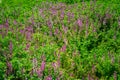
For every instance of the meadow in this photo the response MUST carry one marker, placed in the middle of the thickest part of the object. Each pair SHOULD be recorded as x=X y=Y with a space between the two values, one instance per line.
x=59 y=40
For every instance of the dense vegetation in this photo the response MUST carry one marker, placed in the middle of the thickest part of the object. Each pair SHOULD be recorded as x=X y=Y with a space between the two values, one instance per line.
x=59 y=40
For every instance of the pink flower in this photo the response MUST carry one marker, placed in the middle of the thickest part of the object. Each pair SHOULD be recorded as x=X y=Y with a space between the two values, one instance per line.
x=9 y=68
x=49 y=78
x=22 y=31
x=41 y=11
x=115 y=75
x=55 y=65
x=70 y=14
x=15 y=22
x=39 y=73
x=50 y=33
x=10 y=46
x=79 y=22
x=27 y=46
x=42 y=66
x=30 y=29
x=62 y=14
x=1 y=26
x=65 y=29
x=56 y=31
x=7 y=24
x=34 y=64
x=54 y=12
x=49 y=24
x=63 y=48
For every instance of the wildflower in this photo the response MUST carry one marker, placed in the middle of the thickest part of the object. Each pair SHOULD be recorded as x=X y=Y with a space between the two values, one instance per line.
x=65 y=29
x=56 y=31
x=49 y=24
x=60 y=34
x=30 y=29
x=10 y=46
x=115 y=75
x=50 y=33
x=42 y=66
x=41 y=11
x=93 y=68
x=32 y=20
x=79 y=22
x=58 y=78
x=54 y=12
x=89 y=78
x=9 y=68
x=28 y=35
x=39 y=72
x=7 y=24
x=34 y=65
x=62 y=14
x=70 y=15
x=27 y=46
x=49 y=78
x=87 y=22
x=15 y=22
x=55 y=65
x=63 y=48
x=1 y=26
x=22 y=31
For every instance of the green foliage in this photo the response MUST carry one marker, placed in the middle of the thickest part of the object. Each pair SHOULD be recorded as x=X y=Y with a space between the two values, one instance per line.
x=59 y=39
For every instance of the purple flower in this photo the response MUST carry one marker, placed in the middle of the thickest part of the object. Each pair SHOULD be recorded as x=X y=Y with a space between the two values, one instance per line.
x=58 y=78
x=39 y=72
x=15 y=22
x=89 y=78
x=49 y=23
x=79 y=22
x=55 y=65
x=28 y=35
x=1 y=26
x=70 y=15
x=63 y=48
x=62 y=14
x=22 y=31
x=7 y=24
x=27 y=46
x=65 y=29
x=50 y=33
x=30 y=29
x=54 y=12
x=115 y=75
x=49 y=78
x=42 y=66
x=10 y=46
x=41 y=11
x=32 y=20
x=56 y=31
x=34 y=65
x=9 y=68
x=87 y=22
